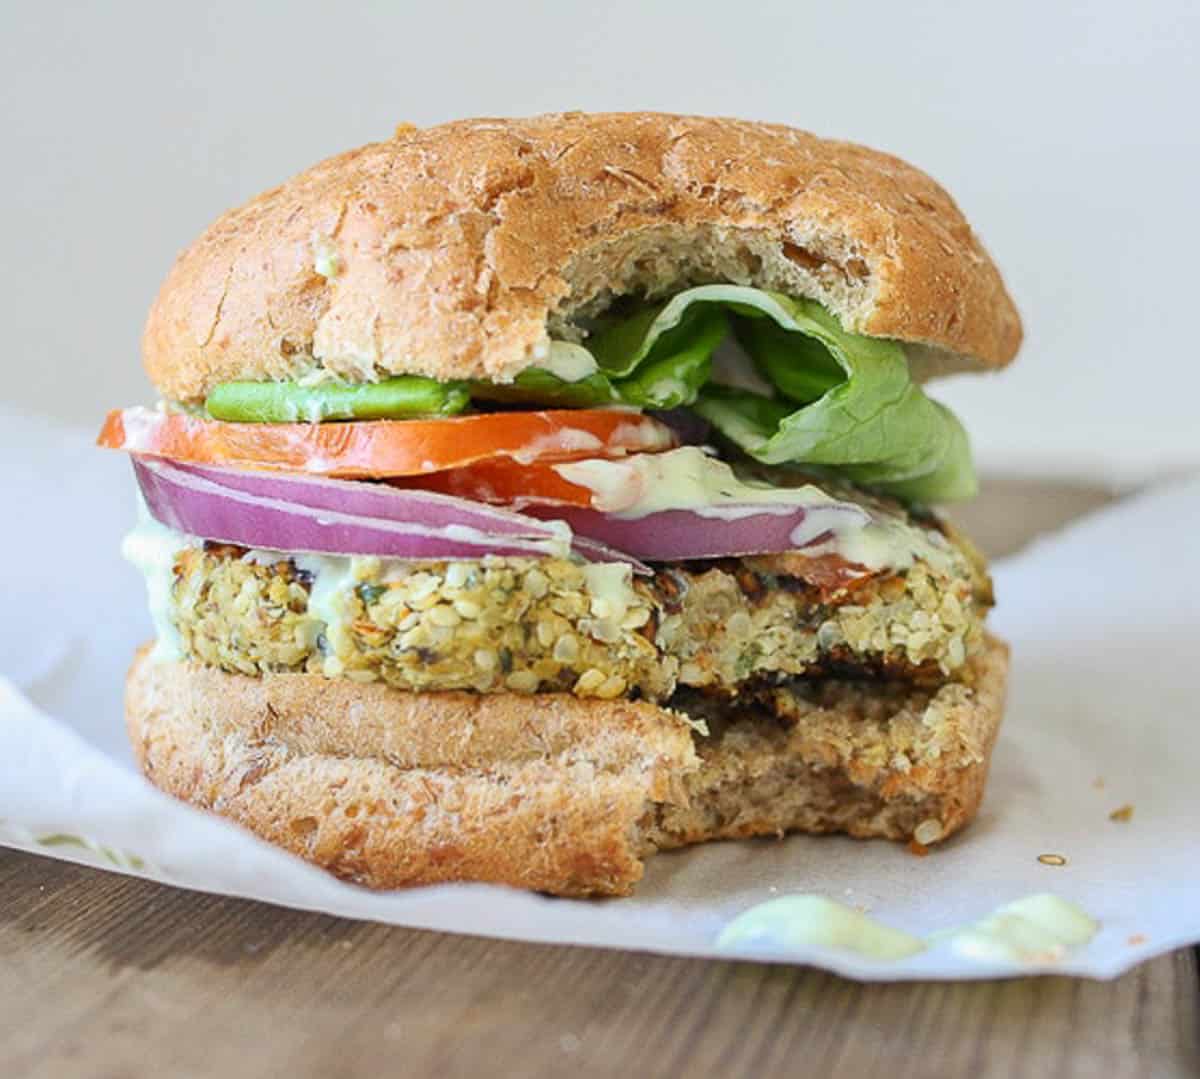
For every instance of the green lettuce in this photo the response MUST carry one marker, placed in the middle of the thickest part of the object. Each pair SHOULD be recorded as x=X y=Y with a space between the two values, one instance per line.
x=659 y=357
x=537 y=386
x=841 y=401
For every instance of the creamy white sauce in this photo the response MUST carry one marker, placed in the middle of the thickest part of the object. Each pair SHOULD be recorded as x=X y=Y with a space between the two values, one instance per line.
x=888 y=542
x=332 y=579
x=690 y=479
x=647 y=435
x=686 y=478
x=795 y=922
x=1036 y=929
x=571 y=363
x=555 y=546
x=152 y=549
x=564 y=440
x=611 y=587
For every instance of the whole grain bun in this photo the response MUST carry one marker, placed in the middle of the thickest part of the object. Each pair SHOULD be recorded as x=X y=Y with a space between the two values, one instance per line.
x=459 y=250
x=549 y=792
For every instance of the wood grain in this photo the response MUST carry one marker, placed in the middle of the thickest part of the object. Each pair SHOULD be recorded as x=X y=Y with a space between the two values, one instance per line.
x=108 y=976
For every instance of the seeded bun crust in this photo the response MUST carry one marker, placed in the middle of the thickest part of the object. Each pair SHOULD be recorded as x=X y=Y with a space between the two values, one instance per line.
x=459 y=250
x=548 y=792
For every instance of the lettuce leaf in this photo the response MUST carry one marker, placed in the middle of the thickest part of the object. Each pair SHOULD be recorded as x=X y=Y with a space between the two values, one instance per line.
x=843 y=402
x=675 y=362
x=537 y=386
x=659 y=357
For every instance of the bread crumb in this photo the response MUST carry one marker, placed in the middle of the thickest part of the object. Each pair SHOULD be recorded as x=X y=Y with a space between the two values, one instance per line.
x=917 y=848
x=1052 y=859
x=1136 y=939
x=1098 y=783
x=1122 y=813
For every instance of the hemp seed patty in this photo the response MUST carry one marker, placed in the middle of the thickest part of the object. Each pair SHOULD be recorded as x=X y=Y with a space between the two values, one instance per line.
x=531 y=625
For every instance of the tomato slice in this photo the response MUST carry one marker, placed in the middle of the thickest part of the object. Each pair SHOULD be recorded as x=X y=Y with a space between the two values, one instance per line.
x=503 y=481
x=387 y=448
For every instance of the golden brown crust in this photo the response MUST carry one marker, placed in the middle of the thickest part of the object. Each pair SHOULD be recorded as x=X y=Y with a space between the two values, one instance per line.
x=550 y=793
x=389 y=788
x=453 y=248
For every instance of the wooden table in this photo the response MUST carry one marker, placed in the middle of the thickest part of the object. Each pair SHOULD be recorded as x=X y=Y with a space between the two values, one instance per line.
x=107 y=976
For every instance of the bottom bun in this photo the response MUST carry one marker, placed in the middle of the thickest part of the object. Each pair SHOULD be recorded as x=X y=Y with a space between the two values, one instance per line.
x=548 y=792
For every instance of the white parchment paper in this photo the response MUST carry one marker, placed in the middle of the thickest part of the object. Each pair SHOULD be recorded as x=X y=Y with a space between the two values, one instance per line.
x=1105 y=625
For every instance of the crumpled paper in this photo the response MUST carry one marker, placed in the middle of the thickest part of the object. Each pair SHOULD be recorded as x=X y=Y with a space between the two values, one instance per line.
x=1104 y=620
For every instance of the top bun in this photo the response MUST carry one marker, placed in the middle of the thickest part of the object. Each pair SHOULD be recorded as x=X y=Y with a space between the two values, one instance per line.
x=458 y=251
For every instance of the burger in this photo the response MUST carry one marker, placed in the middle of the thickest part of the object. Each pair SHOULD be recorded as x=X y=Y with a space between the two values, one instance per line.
x=529 y=496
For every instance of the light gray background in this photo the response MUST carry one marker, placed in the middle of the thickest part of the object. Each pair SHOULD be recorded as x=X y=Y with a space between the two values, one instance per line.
x=1068 y=132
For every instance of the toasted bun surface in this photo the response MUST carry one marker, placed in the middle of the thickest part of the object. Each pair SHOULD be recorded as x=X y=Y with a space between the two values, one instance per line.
x=548 y=792
x=458 y=250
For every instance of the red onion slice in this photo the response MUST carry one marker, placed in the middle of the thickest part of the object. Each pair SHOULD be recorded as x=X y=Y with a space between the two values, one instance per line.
x=683 y=535
x=364 y=499
x=303 y=514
